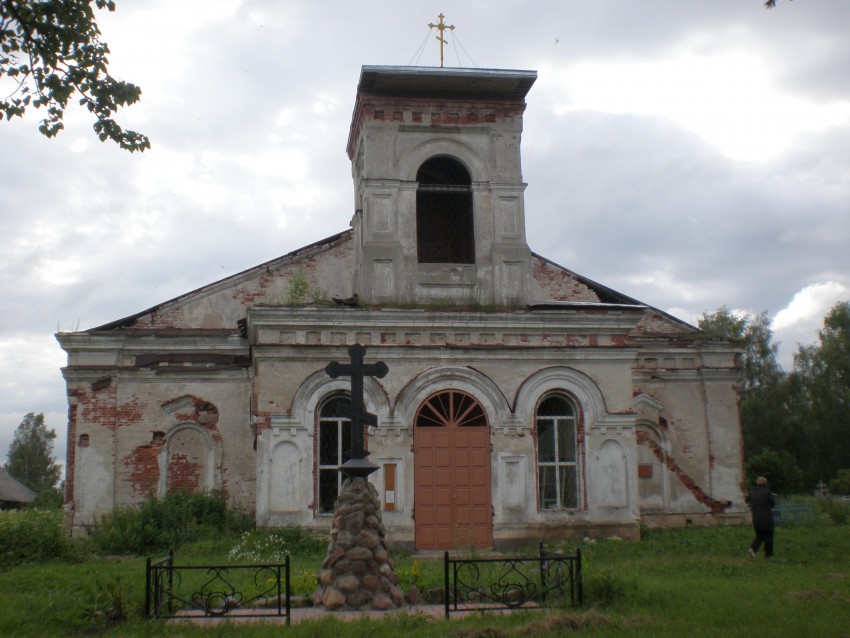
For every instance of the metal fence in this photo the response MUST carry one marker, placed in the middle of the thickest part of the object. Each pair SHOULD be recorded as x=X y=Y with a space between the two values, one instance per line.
x=216 y=591
x=545 y=580
x=793 y=513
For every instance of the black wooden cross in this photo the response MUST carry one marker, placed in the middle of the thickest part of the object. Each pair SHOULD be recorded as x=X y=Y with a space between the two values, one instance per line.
x=357 y=465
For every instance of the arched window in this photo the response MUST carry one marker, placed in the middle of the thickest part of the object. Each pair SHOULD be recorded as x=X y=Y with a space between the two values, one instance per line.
x=444 y=228
x=450 y=408
x=557 y=454
x=334 y=442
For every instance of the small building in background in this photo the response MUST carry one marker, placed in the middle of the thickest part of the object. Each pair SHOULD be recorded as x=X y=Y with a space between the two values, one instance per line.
x=13 y=493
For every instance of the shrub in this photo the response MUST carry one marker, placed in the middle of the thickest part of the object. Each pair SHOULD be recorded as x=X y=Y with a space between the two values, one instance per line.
x=33 y=536
x=604 y=587
x=169 y=522
x=303 y=582
x=838 y=511
x=49 y=500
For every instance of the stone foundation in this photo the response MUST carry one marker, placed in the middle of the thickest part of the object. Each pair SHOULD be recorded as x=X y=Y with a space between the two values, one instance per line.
x=357 y=572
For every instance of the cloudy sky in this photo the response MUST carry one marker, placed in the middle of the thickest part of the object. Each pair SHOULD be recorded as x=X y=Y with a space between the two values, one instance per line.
x=688 y=153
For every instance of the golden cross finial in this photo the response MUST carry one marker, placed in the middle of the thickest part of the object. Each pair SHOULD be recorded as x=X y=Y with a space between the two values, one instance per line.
x=442 y=27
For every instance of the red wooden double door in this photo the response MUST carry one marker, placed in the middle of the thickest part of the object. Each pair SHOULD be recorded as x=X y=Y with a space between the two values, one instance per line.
x=451 y=452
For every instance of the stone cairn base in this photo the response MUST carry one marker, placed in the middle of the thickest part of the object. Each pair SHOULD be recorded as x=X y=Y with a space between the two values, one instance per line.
x=357 y=573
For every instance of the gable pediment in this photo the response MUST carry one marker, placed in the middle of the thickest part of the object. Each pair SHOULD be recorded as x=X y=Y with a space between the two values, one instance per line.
x=321 y=270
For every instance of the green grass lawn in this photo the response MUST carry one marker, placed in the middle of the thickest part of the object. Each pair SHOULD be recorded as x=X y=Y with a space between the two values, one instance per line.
x=686 y=582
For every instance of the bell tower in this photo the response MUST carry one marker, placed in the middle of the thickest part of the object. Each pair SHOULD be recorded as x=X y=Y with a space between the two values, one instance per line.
x=439 y=212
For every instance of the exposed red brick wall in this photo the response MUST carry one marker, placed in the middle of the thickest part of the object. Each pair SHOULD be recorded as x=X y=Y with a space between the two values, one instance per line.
x=656 y=323
x=559 y=284
x=443 y=112
x=254 y=292
x=98 y=408
x=201 y=412
x=129 y=413
x=183 y=474
x=101 y=408
x=142 y=466
x=71 y=447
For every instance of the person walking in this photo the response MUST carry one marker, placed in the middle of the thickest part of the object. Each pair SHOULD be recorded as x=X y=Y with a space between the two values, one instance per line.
x=761 y=505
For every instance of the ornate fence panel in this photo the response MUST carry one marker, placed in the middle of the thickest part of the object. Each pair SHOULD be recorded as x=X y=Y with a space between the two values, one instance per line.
x=545 y=580
x=216 y=591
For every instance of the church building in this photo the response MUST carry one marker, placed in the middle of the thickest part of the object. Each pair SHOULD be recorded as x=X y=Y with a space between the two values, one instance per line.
x=523 y=401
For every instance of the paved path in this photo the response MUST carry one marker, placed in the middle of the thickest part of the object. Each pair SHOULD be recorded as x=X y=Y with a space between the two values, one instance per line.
x=300 y=614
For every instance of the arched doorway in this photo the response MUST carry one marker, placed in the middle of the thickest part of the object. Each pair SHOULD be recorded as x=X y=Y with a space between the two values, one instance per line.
x=451 y=452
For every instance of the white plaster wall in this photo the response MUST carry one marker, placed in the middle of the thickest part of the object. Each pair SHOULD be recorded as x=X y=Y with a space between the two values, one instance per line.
x=93 y=485
x=416 y=374
x=386 y=227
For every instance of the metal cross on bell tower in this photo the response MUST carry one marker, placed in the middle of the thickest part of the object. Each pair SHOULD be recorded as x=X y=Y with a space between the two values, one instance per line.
x=357 y=465
x=441 y=27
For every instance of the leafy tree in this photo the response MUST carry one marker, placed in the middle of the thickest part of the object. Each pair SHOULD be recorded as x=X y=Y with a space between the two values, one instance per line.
x=30 y=458
x=769 y=4
x=723 y=324
x=754 y=334
x=840 y=484
x=50 y=50
x=780 y=468
x=824 y=371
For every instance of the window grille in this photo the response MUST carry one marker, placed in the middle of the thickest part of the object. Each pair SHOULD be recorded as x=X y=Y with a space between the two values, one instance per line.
x=334 y=444
x=557 y=454
x=444 y=226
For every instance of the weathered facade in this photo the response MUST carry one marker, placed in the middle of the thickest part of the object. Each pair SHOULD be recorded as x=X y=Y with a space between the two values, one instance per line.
x=522 y=401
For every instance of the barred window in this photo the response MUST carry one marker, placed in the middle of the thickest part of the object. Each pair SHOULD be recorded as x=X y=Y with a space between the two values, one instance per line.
x=334 y=444
x=557 y=454
x=444 y=227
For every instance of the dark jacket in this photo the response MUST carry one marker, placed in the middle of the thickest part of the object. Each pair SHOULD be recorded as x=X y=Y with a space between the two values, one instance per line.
x=762 y=504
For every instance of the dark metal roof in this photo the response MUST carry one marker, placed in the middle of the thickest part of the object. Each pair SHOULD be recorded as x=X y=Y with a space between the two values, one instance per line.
x=608 y=297
x=557 y=305
x=13 y=491
x=460 y=83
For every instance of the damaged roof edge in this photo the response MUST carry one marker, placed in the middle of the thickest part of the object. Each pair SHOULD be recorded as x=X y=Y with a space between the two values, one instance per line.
x=611 y=296
x=130 y=320
x=535 y=305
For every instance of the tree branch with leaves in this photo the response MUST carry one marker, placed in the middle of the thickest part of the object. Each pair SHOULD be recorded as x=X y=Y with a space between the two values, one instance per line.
x=30 y=457
x=50 y=51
